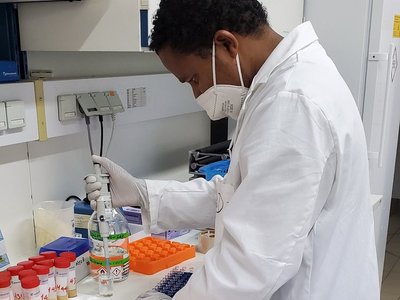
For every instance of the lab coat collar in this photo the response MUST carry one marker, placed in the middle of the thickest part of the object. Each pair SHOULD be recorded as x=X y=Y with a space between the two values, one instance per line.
x=299 y=38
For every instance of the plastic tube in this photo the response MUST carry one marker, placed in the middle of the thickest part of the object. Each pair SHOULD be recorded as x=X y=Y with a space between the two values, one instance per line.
x=43 y=274
x=30 y=286
x=5 y=286
x=62 y=269
x=71 y=288
x=15 y=282
x=52 y=281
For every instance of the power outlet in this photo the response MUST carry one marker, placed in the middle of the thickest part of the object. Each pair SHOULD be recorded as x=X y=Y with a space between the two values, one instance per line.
x=67 y=108
x=15 y=114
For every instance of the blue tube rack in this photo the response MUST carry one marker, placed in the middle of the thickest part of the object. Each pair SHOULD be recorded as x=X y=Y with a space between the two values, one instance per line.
x=174 y=281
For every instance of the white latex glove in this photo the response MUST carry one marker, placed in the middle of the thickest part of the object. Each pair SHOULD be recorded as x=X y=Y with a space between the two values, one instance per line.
x=153 y=295
x=126 y=190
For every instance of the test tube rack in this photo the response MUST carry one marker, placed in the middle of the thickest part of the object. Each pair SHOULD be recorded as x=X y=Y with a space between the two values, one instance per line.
x=151 y=255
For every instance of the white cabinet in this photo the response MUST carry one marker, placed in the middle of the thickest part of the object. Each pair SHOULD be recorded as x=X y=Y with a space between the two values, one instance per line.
x=89 y=25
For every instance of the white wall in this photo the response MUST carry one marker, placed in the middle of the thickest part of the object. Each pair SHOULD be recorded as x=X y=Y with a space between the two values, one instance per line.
x=53 y=170
x=16 y=220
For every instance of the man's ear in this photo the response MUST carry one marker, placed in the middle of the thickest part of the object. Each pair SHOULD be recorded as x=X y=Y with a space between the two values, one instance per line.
x=227 y=41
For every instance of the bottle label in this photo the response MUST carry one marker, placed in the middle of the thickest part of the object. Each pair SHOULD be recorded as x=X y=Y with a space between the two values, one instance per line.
x=72 y=278
x=61 y=282
x=112 y=237
x=16 y=288
x=32 y=294
x=113 y=263
x=52 y=287
x=4 y=293
x=81 y=221
x=119 y=255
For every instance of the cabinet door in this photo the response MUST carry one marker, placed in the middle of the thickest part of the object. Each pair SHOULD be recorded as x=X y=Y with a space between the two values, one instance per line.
x=284 y=15
x=90 y=25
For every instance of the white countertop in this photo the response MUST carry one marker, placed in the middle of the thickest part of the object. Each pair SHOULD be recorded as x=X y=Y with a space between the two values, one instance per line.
x=138 y=283
x=133 y=286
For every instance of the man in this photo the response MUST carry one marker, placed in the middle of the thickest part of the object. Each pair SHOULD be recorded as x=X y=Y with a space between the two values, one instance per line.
x=292 y=216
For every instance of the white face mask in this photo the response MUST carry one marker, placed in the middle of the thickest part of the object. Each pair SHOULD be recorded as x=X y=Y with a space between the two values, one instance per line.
x=222 y=100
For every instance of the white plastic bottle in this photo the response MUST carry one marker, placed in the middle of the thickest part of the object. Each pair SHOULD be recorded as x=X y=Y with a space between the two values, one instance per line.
x=30 y=286
x=43 y=274
x=5 y=287
x=118 y=246
x=15 y=282
x=62 y=269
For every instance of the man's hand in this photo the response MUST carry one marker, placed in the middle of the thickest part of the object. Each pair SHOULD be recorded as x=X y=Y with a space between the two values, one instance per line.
x=126 y=190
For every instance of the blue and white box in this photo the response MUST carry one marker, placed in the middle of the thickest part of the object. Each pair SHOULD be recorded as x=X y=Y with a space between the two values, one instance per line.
x=8 y=71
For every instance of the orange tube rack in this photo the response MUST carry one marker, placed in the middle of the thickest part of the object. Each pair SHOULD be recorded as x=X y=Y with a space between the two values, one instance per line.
x=151 y=255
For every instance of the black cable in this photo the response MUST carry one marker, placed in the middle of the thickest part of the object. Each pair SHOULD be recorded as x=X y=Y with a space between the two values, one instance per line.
x=101 y=135
x=87 y=119
x=73 y=197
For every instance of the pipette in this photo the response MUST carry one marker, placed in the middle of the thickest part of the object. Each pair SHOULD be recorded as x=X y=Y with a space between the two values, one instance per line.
x=104 y=216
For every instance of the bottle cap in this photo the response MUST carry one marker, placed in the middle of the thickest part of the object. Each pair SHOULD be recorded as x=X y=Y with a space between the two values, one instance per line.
x=5 y=274
x=69 y=255
x=5 y=281
x=48 y=262
x=41 y=270
x=37 y=258
x=61 y=262
x=26 y=273
x=49 y=254
x=27 y=264
x=30 y=282
x=14 y=271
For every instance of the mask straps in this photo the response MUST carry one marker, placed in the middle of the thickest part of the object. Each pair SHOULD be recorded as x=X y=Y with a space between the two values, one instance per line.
x=214 y=73
x=240 y=70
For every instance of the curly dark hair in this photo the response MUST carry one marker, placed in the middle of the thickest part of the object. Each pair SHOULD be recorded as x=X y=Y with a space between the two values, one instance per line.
x=188 y=26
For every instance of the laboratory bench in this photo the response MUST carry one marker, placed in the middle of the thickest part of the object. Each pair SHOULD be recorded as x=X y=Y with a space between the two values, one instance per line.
x=137 y=283
x=134 y=285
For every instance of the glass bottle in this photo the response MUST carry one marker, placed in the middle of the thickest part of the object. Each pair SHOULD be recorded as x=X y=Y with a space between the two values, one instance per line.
x=118 y=241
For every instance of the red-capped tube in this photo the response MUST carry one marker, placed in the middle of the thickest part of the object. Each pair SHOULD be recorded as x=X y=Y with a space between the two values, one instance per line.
x=27 y=264
x=26 y=273
x=49 y=254
x=37 y=258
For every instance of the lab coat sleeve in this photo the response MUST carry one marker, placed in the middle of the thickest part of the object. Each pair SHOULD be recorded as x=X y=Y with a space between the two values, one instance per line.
x=287 y=167
x=180 y=205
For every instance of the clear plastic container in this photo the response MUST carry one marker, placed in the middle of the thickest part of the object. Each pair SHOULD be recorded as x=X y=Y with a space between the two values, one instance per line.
x=118 y=242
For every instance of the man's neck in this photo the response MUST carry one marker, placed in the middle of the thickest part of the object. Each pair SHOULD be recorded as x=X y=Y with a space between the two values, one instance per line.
x=256 y=52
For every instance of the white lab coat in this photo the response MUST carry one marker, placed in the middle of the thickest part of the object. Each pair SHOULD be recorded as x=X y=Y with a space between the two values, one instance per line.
x=292 y=216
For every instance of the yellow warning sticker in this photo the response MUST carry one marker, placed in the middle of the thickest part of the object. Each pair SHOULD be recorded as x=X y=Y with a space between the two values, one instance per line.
x=396 y=26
